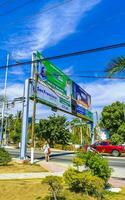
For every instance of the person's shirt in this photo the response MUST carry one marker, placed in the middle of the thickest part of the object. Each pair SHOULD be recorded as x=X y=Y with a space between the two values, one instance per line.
x=45 y=148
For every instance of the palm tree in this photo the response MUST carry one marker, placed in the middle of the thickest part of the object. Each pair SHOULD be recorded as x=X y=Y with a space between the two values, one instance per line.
x=116 y=66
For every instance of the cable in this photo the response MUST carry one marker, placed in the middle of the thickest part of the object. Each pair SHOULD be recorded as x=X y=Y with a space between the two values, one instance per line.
x=102 y=77
x=33 y=15
x=15 y=9
x=82 y=52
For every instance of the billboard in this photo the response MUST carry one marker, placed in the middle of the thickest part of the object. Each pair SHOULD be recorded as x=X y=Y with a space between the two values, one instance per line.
x=57 y=90
x=51 y=98
x=80 y=95
x=54 y=77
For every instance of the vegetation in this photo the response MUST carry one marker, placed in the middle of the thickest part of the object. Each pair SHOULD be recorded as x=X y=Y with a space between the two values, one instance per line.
x=14 y=167
x=113 y=119
x=116 y=139
x=4 y=157
x=78 y=127
x=78 y=162
x=55 y=184
x=12 y=126
x=98 y=166
x=33 y=189
x=84 y=182
x=116 y=66
x=54 y=129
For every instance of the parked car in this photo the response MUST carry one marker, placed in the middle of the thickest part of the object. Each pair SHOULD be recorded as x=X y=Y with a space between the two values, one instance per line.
x=106 y=147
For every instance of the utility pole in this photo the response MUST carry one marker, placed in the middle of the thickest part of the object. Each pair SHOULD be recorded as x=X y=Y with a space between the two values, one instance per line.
x=25 y=112
x=3 y=107
x=33 y=117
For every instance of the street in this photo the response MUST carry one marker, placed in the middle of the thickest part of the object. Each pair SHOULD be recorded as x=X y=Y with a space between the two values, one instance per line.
x=65 y=157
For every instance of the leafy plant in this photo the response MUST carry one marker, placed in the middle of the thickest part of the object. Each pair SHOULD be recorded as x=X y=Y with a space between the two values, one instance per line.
x=98 y=165
x=55 y=184
x=4 y=157
x=54 y=129
x=116 y=139
x=78 y=162
x=84 y=182
x=112 y=117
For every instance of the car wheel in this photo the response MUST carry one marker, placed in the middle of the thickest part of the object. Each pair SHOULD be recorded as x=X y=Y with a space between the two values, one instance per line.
x=115 y=153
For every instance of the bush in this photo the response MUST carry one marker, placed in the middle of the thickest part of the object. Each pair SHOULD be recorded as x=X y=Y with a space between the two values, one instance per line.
x=84 y=182
x=55 y=184
x=78 y=162
x=98 y=165
x=4 y=157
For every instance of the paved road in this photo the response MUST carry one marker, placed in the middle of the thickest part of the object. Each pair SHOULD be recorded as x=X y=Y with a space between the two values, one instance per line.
x=62 y=157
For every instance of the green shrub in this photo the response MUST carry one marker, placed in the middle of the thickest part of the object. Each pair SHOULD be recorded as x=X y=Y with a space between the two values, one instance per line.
x=84 y=182
x=98 y=165
x=69 y=148
x=4 y=157
x=55 y=184
x=78 y=162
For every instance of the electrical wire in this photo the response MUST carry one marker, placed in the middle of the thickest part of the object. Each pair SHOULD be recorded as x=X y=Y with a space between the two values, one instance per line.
x=71 y=54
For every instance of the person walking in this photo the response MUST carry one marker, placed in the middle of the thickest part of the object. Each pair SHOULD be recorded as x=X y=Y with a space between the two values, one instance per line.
x=46 y=151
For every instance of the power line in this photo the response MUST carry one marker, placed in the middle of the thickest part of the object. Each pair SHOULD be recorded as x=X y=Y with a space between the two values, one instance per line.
x=82 y=52
x=15 y=9
x=34 y=15
x=102 y=77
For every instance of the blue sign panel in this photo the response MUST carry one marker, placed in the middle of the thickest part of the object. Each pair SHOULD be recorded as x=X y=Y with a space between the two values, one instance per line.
x=80 y=110
x=81 y=96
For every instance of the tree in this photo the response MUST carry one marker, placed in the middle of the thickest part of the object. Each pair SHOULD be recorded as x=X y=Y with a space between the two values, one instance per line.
x=14 y=127
x=116 y=66
x=121 y=130
x=54 y=129
x=112 y=117
x=77 y=127
x=55 y=184
x=116 y=139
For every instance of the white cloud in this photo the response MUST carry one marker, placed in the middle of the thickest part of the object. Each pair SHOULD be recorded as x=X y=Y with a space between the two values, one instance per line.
x=14 y=71
x=102 y=92
x=68 y=70
x=51 y=27
x=105 y=92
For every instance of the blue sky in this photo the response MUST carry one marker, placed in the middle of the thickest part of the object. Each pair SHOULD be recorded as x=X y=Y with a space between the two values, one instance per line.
x=72 y=26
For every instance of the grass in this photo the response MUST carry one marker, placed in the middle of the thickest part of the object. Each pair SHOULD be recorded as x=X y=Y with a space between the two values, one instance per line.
x=115 y=196
x=34 y=190
x=14 y=167
x=30 y=190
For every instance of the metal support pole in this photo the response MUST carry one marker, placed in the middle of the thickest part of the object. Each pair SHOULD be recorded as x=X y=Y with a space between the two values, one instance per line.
x=34 y=117
x=25 y=120
x=3 y=108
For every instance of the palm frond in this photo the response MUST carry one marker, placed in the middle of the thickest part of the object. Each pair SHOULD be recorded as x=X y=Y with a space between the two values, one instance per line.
x=116 y=66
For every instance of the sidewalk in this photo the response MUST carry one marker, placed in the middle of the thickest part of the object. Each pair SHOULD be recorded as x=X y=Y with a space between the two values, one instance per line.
x=55 y=169
x=117 y=182
x=118 y=172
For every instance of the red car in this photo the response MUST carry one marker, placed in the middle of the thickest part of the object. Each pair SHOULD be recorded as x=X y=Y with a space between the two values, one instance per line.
x=106 y=147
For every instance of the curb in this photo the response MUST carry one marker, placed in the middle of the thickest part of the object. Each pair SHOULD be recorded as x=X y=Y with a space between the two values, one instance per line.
x=119 y=178
x=54 y=155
